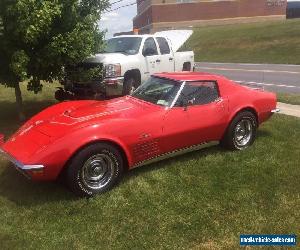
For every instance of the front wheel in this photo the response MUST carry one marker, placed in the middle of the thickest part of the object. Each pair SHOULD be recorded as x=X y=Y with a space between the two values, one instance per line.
x=241 y=132
x=129 y=86
x=95 y=169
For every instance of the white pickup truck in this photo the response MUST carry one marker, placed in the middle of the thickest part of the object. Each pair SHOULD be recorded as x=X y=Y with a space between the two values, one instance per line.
x=129 y=60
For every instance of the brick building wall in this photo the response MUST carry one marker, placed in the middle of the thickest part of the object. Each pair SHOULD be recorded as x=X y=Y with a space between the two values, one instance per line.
x=167 y=14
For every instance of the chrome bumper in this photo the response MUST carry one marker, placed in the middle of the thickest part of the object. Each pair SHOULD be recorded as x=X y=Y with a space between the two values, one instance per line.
x=19 y=165
x=114 y=81
x=277 y=110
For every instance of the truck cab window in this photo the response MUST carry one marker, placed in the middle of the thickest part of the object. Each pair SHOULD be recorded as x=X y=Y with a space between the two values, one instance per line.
x=126 y=45
x=150 y=48
x=163 y=45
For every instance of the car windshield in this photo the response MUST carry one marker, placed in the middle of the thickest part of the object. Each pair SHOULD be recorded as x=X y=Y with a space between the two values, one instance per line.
x=127 y=45
x=158 y=91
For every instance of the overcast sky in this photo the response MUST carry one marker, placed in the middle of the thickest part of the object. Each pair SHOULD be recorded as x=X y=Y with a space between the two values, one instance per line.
x=121 y=19
x=118 y=20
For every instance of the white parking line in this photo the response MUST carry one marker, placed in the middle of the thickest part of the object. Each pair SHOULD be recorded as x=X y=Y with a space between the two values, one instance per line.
x=252 y=70
x=269 y=84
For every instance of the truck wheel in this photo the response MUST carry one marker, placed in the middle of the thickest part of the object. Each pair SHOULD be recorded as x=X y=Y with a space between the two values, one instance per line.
x=129 y=86
x=95 y=169
x=60 y=95
x=241 y=132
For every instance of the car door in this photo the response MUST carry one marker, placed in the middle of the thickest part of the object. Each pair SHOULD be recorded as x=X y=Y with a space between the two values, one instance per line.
x=198 y=116
x=166 y=56
x=151 y=56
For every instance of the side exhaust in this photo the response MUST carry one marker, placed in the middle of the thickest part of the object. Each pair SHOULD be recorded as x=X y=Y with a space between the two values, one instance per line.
x=277 y=110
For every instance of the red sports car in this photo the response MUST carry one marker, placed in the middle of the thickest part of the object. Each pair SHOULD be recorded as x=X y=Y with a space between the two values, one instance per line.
x=93 y=142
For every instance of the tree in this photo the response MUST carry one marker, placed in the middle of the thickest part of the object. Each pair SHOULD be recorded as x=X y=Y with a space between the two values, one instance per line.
x=39 y=37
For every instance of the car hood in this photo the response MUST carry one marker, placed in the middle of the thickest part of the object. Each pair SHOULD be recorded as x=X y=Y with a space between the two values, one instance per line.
x=98 y=109
x=85 y=113
x=107 y=58
x=65 y=118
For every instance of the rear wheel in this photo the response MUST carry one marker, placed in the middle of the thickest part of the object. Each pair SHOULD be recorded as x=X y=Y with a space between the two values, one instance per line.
x=241 y=132
x=95 y=169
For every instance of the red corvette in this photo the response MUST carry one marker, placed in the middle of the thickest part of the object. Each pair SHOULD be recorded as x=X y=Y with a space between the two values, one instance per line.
x=93 y=142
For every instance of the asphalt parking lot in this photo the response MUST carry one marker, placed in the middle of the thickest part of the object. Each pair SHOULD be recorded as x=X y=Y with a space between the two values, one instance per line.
x=272 y=77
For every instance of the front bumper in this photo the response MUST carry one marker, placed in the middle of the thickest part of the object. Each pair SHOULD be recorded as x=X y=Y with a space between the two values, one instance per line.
x=23 y=168
x=114 y=86
x=114 y=81
x=108 y=86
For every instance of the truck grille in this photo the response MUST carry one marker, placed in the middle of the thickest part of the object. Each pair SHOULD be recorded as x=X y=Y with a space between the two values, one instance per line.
x=76 y=74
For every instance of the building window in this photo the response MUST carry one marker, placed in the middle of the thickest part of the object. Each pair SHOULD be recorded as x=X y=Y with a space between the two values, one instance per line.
x=185 y=1
x=275 y=3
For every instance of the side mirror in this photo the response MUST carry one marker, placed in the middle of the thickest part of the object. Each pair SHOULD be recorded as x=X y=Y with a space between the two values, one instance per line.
x=184 y=104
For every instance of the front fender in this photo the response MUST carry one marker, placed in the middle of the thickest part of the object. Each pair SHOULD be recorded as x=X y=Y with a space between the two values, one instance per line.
x=57 y=154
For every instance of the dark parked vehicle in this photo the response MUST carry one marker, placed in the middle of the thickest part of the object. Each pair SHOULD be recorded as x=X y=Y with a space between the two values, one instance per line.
x=293 y=9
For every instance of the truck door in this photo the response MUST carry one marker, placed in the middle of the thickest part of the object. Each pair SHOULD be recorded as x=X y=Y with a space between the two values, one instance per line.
x=151 y=57
x=167 y=63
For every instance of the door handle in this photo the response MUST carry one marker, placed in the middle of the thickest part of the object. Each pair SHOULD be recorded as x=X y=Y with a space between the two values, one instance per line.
x=171 y=59
x=220 y=99
x=220 y=102
x=158 y=60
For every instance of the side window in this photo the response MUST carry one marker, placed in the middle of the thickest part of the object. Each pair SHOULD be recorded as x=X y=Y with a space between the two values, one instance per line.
x=198 y=93
x=163 y=45
x=150 y=48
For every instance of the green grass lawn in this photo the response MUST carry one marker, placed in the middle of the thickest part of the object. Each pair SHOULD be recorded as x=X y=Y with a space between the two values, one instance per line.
x=264 y=42
x=289 y=98
x=202 y=200
x=33 y=103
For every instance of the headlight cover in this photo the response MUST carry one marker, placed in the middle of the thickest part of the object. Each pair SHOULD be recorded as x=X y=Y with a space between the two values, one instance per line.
x=112 y=70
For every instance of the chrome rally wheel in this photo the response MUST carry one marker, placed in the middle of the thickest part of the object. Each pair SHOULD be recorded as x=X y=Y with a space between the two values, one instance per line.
x=95 y=169
x=241 y=132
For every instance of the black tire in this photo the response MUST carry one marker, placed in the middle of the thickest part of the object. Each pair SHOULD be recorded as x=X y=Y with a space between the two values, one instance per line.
x=95 y=169
x=241 y=132
x=129 y=85
x=60 y=95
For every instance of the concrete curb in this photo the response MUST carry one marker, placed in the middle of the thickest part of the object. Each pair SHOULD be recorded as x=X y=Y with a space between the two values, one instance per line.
x=289 y=109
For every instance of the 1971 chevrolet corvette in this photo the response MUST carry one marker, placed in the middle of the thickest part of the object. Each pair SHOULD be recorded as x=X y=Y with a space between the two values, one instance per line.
x=93 y=142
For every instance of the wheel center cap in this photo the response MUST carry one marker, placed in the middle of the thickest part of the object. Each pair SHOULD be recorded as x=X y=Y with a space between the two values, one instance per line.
x=241 y=131
x=97 y=170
